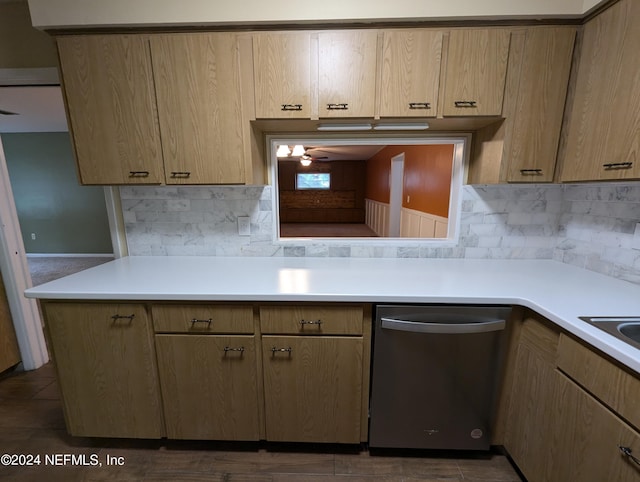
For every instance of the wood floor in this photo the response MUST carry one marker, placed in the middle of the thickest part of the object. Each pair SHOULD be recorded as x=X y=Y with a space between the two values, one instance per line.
x=320 y=230
x=31 y=422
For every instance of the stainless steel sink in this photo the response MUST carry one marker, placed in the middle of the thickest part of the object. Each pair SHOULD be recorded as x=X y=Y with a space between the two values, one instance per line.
x=625 y=328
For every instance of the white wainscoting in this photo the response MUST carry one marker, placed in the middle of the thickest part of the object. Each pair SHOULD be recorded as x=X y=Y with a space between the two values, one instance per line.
x=413 y=224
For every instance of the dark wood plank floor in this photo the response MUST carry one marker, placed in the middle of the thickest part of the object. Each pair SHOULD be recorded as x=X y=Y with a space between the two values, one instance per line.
x=31 y=422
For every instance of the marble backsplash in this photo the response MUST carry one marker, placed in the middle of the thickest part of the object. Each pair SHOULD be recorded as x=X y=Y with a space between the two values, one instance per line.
x=587 y=225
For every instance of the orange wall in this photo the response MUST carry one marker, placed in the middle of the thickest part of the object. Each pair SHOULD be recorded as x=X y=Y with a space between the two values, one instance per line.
x=427 y=177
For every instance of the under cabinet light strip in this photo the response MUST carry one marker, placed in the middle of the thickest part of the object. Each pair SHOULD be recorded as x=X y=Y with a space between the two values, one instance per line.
x=402 y=127
x=344 y=127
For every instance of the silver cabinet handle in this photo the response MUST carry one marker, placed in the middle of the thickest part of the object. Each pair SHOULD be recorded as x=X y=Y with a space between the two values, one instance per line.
x=275 y=350
x=180 y=174
x=618 y=165
x=138 y=173
x=310 y=322
x=337 y=106
x=627 y=452
x=419 y=105
x=228 y=349
x=195 y=320
x=443 y=328
x=465 y=103
x=122 y=317
x=286 y=107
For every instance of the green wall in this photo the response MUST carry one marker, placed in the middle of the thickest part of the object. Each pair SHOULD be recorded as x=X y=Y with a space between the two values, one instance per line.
x=65 y=216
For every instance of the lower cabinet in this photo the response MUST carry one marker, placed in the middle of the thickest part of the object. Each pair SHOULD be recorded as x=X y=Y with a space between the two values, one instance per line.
x=209 y=386
x=106 y=364
x=312 y=388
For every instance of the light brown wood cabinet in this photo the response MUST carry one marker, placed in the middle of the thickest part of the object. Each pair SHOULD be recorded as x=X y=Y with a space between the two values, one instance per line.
x=9 y=351
x=602 y=140
x=111 y=106
x=197 y=81
x=282 y=75
x=347 y=72
x=476 y=69
x=316 y=381
x=106 y=364
x=410 y=79
x=158 y=108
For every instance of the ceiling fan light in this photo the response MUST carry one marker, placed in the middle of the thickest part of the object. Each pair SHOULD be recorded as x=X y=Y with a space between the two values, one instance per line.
x=305 y=161
x=283 y=151
x=298 y=150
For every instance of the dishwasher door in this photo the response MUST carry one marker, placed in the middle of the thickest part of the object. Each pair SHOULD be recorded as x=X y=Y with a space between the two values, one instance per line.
x=435 y=375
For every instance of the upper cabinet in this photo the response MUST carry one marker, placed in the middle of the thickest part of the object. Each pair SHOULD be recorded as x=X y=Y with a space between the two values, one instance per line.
x=603 y=140
x=155 y=108
x=476 y=69
x=536 y=120
x=282 y=75
x=410 y=73
x=111 y=107
x=199 y=106
x=347 y=73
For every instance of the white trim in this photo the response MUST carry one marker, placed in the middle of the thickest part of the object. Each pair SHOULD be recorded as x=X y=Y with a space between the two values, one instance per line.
x=15 y=272
x=458 y=175
x=116 y=221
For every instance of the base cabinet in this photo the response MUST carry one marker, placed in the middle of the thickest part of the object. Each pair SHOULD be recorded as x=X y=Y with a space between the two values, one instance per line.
x=209 y=386
x=313 y=388
x=106 y=364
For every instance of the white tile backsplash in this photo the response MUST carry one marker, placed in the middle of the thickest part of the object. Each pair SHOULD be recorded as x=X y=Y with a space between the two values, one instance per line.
x=586 y=225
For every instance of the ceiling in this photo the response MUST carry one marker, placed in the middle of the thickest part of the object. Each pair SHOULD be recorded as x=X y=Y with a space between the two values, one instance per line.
x=351 y=152
x=37 y=109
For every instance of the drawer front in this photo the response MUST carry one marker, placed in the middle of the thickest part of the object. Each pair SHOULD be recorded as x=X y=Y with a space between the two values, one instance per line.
x=312 y=319
x=203 y=318
x=609 y=383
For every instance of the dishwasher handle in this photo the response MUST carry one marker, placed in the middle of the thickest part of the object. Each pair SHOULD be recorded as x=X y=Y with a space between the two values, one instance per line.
x=443 y=328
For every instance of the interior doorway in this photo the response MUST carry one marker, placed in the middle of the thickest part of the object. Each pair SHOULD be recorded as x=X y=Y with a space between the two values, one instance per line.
x=395 y=194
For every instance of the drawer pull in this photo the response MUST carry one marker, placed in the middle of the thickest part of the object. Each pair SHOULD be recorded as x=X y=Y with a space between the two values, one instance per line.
x=618 y=165
x=310 y=322
x=196 y=320
x=275 y=350
x=228 y=348
x=138 y=173
x=465 y=103
x=627 y=452
x=337 y=106
x=531 y=171
x=419 y=105
x=122 y=317
x=287 y=107
x=180 y=174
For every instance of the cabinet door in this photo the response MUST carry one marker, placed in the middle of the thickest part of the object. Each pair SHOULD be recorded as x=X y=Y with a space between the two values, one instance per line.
x=9 y=351
x=209 y=386
x=587 y=438
x=544 y=78
x=198 y=88
x=603 y=140
x=347 y=73
x=106 y=365
x=476 y=72
x=313 y=388
x=282 y=75
x=410 y=73
x=110 y=98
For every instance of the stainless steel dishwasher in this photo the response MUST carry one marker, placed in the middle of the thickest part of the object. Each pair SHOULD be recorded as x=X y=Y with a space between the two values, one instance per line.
x=435 y=375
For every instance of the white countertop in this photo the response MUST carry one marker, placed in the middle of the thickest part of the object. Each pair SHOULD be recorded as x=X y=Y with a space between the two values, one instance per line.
x=557 y=291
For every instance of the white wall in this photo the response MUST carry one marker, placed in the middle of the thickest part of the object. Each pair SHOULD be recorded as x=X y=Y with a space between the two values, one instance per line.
x=68 y=13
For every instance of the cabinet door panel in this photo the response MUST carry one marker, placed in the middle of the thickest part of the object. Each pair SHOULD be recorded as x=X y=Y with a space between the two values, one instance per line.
x=539 y=108
x=282 y=75
x=199 y=106
x=313 y=388
x=476 y=72
x=209 y=386
x=106 y=369
x=347 y=73
x=603 y=140
x=410 y=73
x=110 y=97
